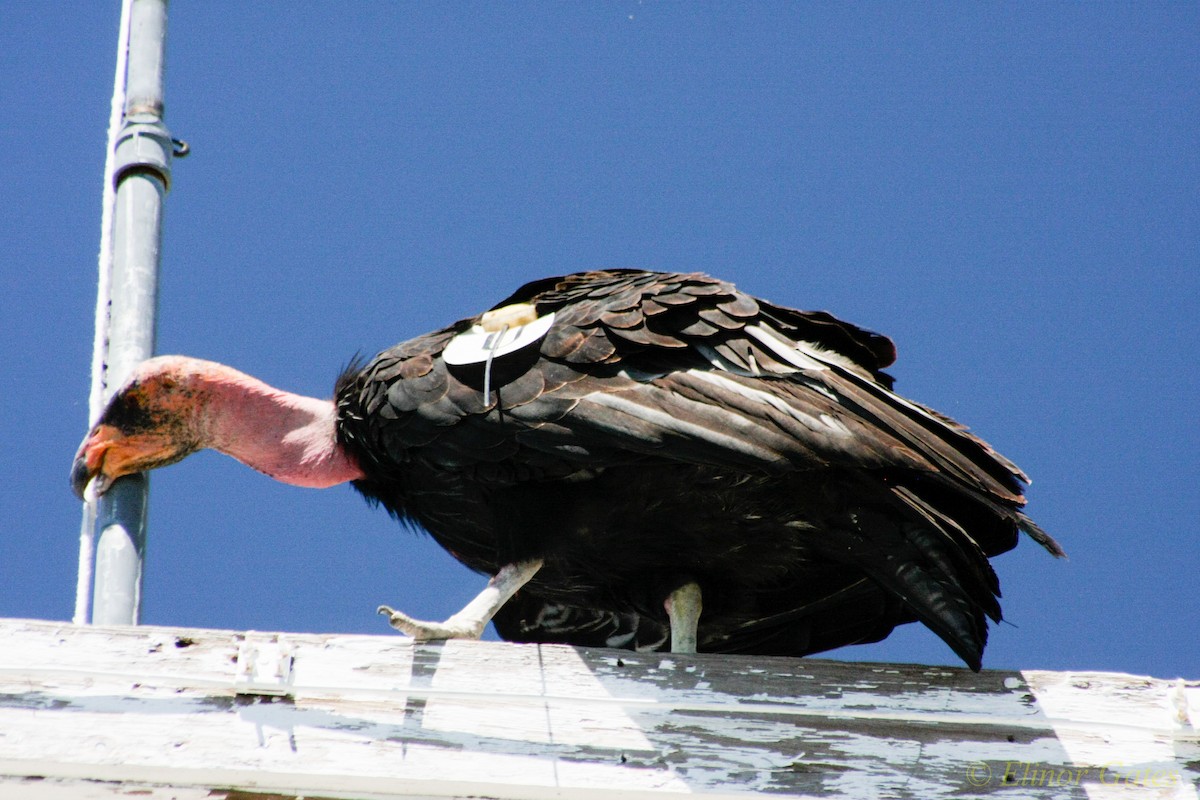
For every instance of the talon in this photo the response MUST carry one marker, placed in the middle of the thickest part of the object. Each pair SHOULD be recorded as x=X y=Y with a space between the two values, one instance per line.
x=425 y=631
x=470 y=622
x=403 y=622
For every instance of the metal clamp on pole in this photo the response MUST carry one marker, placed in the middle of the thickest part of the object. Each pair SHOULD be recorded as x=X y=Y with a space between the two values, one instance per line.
x=144 y=146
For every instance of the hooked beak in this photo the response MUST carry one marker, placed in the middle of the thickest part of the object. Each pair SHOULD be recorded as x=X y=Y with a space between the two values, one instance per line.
x=89 y=462
x=110 y=452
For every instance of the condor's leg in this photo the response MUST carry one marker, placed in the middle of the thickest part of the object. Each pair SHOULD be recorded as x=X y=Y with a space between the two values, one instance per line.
x=683 y=609
x=470 y=622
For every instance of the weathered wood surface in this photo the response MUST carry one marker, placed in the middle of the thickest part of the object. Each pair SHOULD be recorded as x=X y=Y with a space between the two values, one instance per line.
x=100 y=713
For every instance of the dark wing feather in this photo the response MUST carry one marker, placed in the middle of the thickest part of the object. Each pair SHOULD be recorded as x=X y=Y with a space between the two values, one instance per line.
x=686 y=368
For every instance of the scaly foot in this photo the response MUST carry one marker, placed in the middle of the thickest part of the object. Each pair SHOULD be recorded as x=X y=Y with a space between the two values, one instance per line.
x=425 y=631
x=470 y=622
x=683 y=609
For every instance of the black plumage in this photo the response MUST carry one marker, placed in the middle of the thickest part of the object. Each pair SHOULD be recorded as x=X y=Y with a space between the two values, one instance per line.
x=669 y=428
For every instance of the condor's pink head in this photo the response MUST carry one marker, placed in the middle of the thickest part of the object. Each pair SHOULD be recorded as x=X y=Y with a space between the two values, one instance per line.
x=172 y=406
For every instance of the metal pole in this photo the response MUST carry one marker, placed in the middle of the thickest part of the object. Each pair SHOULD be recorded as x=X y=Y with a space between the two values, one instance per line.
x=141 y=177
x=87 y=531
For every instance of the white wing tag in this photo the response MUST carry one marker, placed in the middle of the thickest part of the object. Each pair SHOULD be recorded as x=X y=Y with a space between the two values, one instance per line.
x=479 y=345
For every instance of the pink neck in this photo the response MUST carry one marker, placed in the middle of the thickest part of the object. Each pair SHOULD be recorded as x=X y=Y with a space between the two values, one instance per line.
x=287 y=436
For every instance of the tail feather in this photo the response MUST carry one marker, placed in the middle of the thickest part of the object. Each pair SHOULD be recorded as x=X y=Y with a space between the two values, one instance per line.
x=958 y=556
x=925 y=558
x=1034 y=532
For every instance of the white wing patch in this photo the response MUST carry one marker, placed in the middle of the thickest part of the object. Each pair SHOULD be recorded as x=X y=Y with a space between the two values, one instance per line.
x=785 y=348
x=669 y=423
x=717 y=360
x=822 y=423
x=801 y=354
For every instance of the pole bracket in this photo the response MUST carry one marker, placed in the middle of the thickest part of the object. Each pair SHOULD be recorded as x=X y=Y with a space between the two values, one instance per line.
x=264 y=665
x=144 y=146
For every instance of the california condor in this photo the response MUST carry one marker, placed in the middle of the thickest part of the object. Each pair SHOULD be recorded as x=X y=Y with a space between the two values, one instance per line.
x=638 y=459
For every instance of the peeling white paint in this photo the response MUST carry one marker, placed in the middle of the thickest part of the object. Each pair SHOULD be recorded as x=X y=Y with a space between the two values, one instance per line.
x=382 y=717
x=1129 y=736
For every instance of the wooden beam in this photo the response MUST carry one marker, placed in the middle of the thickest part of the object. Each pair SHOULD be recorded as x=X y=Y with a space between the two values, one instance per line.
x=100 y=713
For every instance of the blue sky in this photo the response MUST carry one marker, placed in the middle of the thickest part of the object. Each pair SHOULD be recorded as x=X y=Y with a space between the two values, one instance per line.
x=1010 y=191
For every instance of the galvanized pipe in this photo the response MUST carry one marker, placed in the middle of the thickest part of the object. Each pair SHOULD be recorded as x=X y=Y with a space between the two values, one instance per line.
x=87 y=528
x=141 y=174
